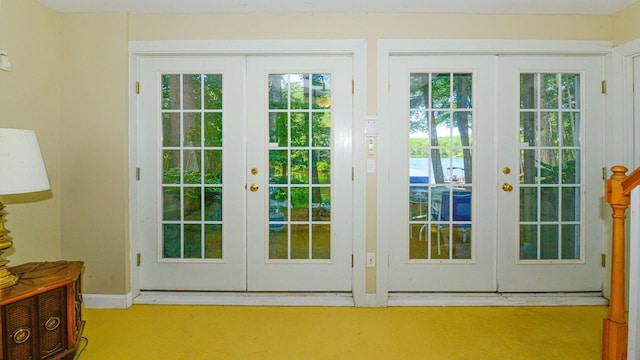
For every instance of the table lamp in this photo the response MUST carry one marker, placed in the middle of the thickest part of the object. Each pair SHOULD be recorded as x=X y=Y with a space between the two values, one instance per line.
x=21 y=171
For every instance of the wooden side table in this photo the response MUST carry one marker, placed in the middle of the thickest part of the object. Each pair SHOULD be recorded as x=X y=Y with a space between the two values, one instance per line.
x=41 y=316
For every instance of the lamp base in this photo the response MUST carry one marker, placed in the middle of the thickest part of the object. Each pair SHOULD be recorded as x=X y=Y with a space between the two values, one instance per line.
x=6 y=278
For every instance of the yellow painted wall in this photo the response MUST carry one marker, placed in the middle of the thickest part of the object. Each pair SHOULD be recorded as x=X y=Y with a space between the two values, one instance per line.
x=370 y=26
x=70 y=85
x=95 y=189
x=626 y=24
x=30 y=99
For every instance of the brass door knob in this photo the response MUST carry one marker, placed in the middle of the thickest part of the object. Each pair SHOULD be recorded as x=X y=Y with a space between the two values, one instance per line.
x=507 y=187
x=253 y=187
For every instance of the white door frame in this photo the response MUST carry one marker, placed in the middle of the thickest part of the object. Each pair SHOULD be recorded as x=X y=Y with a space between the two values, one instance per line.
x=628 y=154
x=354 y=48
x=388 y=48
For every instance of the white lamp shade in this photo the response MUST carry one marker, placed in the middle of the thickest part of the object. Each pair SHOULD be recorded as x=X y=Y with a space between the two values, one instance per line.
x=21 y=166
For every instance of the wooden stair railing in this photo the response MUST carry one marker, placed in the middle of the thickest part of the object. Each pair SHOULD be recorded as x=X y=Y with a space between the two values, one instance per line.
x=615 y=329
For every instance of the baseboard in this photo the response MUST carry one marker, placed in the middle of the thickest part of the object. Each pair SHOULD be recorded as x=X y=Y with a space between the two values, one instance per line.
x=497 y=299
x=248 y=299
x=370 y=300
x=100 y=301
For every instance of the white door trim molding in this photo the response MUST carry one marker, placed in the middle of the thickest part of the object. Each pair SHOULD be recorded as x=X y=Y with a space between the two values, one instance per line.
x=388 y=48
x=633 y=343
x=246 y=47
x=622 y=75
x=356 y=48
x=631 y=48
x=493 y=47
x=621 y=104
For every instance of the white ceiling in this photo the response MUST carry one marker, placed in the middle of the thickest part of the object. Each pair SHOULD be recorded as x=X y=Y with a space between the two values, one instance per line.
x=594 y=7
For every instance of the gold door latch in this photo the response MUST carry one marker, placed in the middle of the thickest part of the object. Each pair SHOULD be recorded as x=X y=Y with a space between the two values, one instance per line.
x=507 y=187
x=253 y=187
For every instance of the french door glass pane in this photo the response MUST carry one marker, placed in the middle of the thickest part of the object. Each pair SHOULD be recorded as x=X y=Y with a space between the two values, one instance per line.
x=440 y=165
x=300 y=166
x=550 y=183
x=192 y=166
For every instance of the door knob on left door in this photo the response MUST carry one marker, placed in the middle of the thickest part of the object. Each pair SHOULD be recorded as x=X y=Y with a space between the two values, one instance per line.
x=507 y=187
x=253 y=187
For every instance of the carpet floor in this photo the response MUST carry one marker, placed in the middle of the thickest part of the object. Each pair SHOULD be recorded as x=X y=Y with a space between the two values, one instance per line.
x=248 y=332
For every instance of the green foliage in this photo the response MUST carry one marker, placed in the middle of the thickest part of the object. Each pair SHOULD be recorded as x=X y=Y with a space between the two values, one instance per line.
x=210 y=83
x=279 y=195
x=172 y=176
x=549 y=174
x=419 y=147
x=323 y=168
x=440 y=90
x=303 y=137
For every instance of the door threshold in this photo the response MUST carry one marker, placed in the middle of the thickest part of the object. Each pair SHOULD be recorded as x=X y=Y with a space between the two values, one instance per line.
x=243 y=298
x=497 y=299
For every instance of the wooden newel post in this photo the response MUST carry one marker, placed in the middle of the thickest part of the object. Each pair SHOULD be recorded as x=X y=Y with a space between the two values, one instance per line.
x=615 y=328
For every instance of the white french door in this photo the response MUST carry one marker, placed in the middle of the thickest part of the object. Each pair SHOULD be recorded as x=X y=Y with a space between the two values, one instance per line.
x=191 y=191
x=443 y=208
x=245 y=173
x=299 y=164
x=550 y=174
x=496 y=173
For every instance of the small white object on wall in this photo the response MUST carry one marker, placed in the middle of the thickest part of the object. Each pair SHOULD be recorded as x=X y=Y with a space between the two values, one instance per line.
x=371 y=126
x=5 y=63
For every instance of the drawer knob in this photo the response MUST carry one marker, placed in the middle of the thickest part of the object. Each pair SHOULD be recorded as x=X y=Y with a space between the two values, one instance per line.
x=52 y=323
x=21 y=335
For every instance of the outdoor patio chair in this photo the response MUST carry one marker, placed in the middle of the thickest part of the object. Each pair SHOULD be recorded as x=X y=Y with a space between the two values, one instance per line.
x=458 y=212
